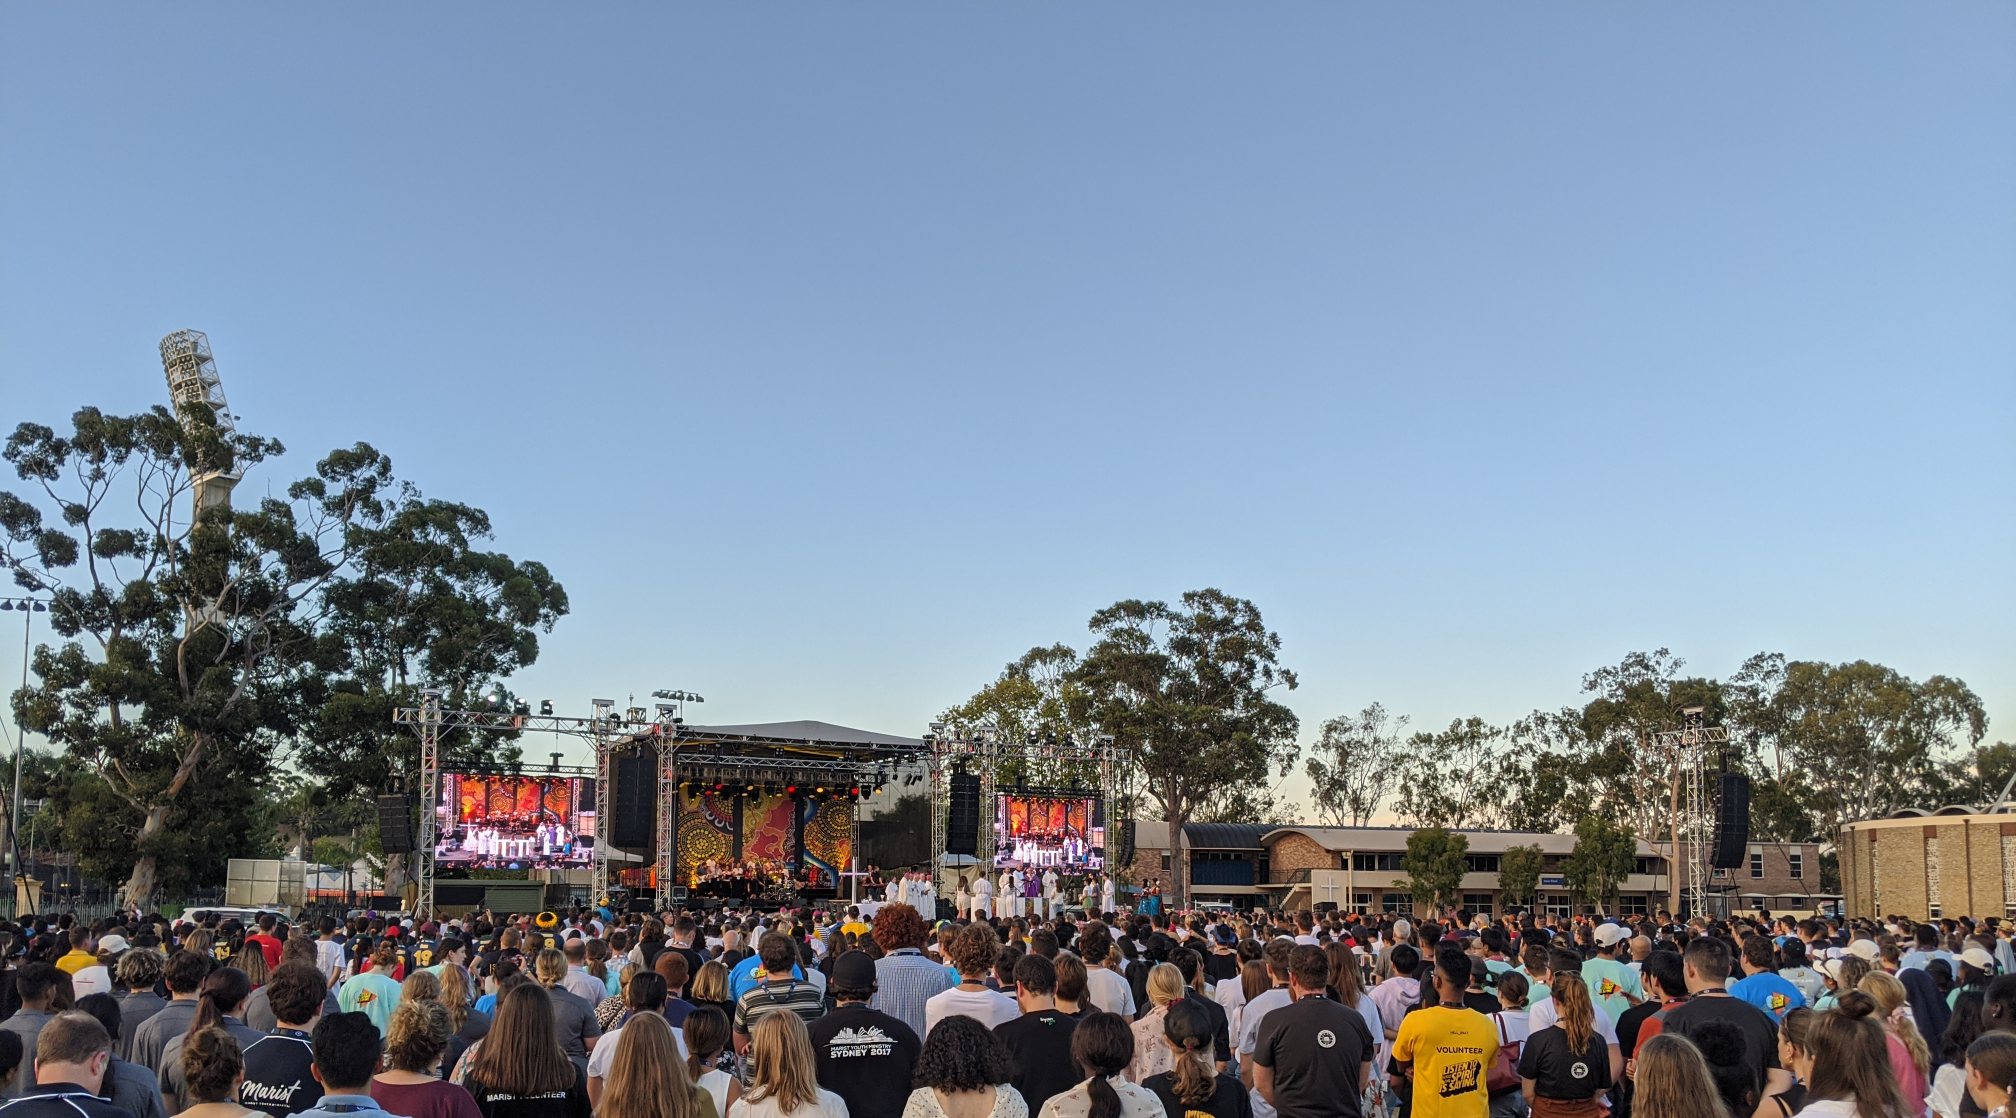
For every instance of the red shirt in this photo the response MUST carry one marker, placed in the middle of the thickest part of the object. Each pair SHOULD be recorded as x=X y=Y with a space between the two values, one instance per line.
x=268 y=946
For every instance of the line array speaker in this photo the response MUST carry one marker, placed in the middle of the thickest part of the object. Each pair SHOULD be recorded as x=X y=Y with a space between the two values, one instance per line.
x=395 y=824
x=634 y=802
x=962 y=826
x=1732 y=824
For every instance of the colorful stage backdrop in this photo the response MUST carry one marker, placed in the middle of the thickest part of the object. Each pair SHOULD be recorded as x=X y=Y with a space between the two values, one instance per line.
x=767 y=829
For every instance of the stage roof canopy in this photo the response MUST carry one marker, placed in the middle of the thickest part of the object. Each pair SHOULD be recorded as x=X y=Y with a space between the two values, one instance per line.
x=803 y=731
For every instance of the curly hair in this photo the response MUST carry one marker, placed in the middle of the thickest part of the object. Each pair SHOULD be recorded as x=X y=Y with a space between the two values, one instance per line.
x=418 y=1035
x=975 y=949
x=211 y=1062
x=961 y=1054
x=898 y=926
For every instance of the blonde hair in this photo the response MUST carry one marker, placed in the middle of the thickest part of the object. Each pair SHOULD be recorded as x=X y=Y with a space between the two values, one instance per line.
x=711 y=984
x=1673 y=1081
x=648 y=1079
x=418 y=1035
x=455 y=995
x=551 y=966
x=783 y=1056
x=1573 y=1008
x=1889 y=994
x=1165 y=985
x=420 y=986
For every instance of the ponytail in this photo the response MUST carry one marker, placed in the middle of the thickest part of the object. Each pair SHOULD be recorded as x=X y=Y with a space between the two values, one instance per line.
x=1194 y=1085
x=1572 y=1006
x=225 y=990
x=1103 y=1046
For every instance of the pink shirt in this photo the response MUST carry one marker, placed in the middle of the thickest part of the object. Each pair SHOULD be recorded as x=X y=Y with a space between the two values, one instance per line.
x=1910 y=1081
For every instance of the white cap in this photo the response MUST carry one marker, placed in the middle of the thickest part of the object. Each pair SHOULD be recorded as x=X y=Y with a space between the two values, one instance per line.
x=1832 y=968
x=1610 y=935
x=1865 y=949
x=1978 y=959
x=117 y=943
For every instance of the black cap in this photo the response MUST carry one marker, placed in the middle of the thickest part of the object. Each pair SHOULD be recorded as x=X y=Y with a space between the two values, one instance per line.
x=853 y=970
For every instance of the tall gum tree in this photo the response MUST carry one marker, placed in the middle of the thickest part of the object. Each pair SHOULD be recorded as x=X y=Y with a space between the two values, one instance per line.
x=1188 y=689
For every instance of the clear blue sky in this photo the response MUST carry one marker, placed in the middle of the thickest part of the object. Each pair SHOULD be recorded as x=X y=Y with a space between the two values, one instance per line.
x=833 y=355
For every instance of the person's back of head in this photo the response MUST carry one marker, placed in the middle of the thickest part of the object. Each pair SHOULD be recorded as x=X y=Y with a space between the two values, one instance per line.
x=778 y=953
x=1722 y=1045
x=105 y=1008
x=1665 y=968
x=296 y=994
x=1708 y=957
x=1043 y=942
x=80 y=938
x=550 y=966
x=961 y=1054
x=417 y=1036
x=346 y=1048
x=1673 y=1081
x=1036 y=975
x=1102 y=1046
x=576 y=950
x=1760 y=953
x=71 y=1038
x=1851 y=1059
x=646 y=992
x=1189 y=962
x=35 y=981
x=212 y=1063
x=1999 y=1003
x=1405 y=959
x=647 y=1079
x=784 y=1069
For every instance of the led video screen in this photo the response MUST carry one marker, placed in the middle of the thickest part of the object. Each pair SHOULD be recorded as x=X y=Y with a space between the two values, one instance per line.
x=514 y=822
x=1059 y=831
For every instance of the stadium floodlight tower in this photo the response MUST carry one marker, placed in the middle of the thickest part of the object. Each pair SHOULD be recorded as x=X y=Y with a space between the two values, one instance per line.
x=192 y=381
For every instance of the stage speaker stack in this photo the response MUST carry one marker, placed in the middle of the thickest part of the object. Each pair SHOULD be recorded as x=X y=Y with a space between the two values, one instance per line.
x=962 y=827
x=395 y=824
x=1126 y=853
x=634 y=803
x=1732 y=824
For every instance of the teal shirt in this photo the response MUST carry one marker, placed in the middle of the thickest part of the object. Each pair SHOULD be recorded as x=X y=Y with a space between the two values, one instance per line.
x=373 y=995
x=1609 y=980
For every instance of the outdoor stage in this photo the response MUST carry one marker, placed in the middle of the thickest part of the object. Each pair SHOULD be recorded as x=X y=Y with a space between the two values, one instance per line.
x=761 y=813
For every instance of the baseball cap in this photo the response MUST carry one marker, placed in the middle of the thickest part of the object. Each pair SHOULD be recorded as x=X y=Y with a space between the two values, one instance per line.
x=854 y=970
x=117 y=943
x=1610 y=935
x=1832 y=969
x=1978 y=959
x=1865 y=949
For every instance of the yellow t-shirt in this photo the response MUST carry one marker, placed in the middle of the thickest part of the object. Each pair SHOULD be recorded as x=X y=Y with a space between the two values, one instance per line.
x=1451 y=1049
x=854 y=928
x=75 y=961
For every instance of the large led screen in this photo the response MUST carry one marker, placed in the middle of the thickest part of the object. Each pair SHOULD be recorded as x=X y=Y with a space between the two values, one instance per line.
x=1048 y=831
x=514 y=822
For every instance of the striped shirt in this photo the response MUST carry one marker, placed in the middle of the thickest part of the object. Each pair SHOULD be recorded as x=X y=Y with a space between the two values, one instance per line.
x=795 y=995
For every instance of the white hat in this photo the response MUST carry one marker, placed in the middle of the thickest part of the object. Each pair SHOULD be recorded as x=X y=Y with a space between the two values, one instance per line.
x=1864 y=949
x=1610 y=935
x=1978 y=959
x=117 y=943
x=1832 y=968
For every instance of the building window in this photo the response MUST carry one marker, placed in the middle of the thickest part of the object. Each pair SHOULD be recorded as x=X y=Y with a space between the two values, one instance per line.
x=1798 y=864
x=1756 y=865
x=1482 y=863
x=1478 y=903
x=1376 y=862
x=1631 y=906
x=1557 y=904
x=1165 y=861
x=1361 y=903
x=1402 y=903
x=1649 y=866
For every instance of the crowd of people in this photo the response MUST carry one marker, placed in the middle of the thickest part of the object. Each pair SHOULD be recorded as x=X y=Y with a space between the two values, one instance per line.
x=1086 y=1014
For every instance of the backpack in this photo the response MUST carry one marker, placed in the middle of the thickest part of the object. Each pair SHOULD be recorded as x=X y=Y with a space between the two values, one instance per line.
x=1504 y=1073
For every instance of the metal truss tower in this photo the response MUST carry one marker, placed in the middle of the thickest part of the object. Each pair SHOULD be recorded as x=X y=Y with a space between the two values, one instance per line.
x=193 y=381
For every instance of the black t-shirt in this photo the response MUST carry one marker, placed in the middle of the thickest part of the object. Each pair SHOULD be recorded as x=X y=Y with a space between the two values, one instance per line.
x=1221 y=1025
x=1486 y=1004
x=865 y=1056
x=278 y=1079
x=1760 y=1032
x=571 y=1103
x=1230 y=1100
x=1041 y=1044
x=1628 y=1025
x=1316 y=1047
x=1222 y=967
x=1560 y=1072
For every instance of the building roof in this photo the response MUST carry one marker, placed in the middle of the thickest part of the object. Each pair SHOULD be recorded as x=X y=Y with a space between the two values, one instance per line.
x=1341 y=839
x=1224 y=836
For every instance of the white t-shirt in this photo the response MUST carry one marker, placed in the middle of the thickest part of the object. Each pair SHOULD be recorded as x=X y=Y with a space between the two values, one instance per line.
x=829 y=1105
x=1109 y=991
x=989 y=1007
x=1249 y=1036
x=1542 y=1014
x=605 y=1051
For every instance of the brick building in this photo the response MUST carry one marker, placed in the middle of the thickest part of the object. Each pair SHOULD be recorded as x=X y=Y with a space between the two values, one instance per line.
x=1951 y=862
x=1358 y=869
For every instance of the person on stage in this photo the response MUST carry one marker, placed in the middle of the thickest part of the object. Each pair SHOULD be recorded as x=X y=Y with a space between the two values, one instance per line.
x=1004 y=896
x=892 y=893
x=1053 y=902
x=983 y=896
x=962 y=901
x=1108 y=894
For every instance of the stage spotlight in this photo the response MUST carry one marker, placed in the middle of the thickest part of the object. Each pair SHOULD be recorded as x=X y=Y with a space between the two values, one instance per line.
x=546 y=707
x=822 y=790
x=791 y=791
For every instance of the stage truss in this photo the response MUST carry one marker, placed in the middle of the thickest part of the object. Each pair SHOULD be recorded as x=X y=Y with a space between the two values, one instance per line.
x=983 y=750
x=678 y=748
x=1690 y=748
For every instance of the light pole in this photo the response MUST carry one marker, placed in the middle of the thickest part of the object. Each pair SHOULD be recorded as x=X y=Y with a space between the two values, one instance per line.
x=27 y=606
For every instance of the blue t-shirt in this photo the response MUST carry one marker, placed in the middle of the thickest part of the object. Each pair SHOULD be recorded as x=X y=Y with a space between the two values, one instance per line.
x=743 y=978
x=1769 y=992
x=1916 y=960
